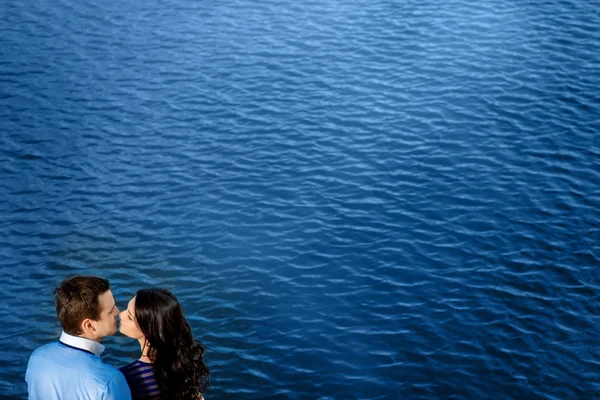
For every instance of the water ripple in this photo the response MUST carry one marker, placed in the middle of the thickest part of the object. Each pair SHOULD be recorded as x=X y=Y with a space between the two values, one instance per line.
x=371 y=200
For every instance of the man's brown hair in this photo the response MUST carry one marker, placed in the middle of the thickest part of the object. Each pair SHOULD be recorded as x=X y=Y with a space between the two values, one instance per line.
x=77 y=299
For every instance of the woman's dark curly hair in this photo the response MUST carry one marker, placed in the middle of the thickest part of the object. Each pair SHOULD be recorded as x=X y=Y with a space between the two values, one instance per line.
x=178 y=358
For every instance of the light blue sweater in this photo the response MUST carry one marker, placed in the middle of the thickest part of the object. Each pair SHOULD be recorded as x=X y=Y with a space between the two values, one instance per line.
x=71 y=369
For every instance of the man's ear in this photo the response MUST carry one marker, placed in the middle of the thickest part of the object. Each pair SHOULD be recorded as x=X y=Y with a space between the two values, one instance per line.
x=87 y=326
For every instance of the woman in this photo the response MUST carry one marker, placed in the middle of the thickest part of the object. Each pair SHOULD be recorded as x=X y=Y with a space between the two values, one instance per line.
x=172 y=362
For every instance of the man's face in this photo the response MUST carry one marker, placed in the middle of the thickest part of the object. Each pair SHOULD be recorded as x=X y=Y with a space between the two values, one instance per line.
x=106 y=324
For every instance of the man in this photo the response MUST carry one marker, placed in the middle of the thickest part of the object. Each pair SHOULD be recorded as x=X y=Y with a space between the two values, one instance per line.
x=71 y=368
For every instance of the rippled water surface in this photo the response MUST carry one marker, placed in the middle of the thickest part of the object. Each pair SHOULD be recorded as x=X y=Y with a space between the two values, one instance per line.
x=352 y=199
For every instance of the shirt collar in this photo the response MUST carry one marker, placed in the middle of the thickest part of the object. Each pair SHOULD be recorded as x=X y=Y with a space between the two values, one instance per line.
x=82 y=343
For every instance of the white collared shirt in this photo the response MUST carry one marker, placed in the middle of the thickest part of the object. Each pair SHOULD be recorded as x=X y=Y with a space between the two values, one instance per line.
x=82 y=343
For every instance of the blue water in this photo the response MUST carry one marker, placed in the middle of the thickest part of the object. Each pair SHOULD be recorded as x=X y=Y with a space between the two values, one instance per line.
x=352 y=200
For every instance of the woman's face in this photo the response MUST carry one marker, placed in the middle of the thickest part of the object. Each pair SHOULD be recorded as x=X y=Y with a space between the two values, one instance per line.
x=129 y=326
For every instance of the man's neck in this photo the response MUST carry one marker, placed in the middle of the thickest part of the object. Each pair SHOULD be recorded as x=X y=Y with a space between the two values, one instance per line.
x=95 y=339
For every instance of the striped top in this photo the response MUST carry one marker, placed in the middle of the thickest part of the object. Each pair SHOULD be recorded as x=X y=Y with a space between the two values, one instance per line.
x=140 y=379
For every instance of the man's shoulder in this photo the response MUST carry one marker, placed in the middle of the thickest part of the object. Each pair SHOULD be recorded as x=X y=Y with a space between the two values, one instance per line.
x=46 y=349
x=47 y=346
x=68 y=359
x=110 y=371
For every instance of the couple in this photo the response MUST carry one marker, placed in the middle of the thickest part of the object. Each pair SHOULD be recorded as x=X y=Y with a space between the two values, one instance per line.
x=171 y=364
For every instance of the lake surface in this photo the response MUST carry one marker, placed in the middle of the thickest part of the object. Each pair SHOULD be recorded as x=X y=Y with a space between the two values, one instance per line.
x=352 y=199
